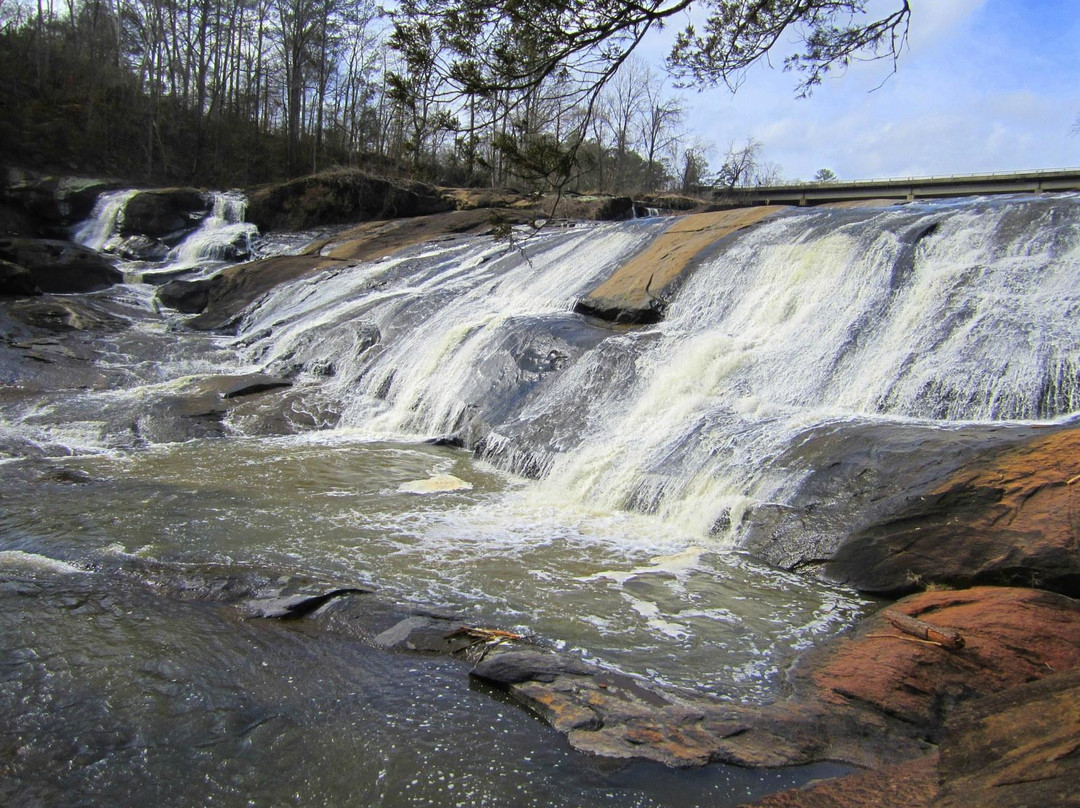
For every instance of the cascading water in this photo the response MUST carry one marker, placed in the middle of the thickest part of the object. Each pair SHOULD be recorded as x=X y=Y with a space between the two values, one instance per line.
x=648 y=445
x=222 y=235
x=101 y=230
x=951 y=312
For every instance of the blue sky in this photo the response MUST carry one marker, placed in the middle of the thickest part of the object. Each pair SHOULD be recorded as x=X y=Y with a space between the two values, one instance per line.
x=985 y=85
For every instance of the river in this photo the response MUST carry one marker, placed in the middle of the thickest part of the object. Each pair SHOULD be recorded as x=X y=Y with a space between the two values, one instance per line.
x=605 y=510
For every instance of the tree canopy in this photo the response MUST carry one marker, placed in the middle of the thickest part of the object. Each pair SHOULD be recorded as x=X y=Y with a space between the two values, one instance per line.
x=491 y=46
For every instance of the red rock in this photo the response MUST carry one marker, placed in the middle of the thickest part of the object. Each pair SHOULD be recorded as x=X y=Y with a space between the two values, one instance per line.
x=1012 y=636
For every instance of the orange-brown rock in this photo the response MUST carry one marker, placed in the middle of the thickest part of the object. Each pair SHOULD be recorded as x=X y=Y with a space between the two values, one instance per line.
x=1011 y=518
x=1011 y=636
x=1020 y=747
x=1013 y=748
x=637 y=291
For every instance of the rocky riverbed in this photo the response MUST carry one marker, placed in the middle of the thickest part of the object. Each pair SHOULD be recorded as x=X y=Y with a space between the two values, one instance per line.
x=970 y=529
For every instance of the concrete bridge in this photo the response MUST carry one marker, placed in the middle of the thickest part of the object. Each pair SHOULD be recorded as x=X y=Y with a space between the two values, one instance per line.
x=906 y=190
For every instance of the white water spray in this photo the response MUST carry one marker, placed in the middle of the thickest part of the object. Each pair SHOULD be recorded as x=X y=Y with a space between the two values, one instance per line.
x=103 y=226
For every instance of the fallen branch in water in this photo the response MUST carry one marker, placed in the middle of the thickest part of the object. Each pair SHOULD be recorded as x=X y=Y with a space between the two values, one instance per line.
x=485 y=634
x=948 y=638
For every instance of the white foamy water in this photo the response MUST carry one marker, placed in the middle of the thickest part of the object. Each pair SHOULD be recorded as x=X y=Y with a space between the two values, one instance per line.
x=221 y=236
x=945 y=313
x=104 y=223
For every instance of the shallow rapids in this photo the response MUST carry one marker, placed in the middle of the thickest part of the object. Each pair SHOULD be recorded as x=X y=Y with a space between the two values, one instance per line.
x=604 y=486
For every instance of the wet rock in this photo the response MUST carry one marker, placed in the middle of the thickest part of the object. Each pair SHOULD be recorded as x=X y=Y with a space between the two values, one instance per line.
x=513 y=667
x=61 y=266
x=141 y=248
x=296 y=605
x=197 y=408
x=1006 y=518
x=637 y=292
x=426 y=634
x=64 y=314
x=234 y=288
x=1020 y=747
x=189 y=297
x=856 y=477
x=16 y=280
x=162 y=211
x=251 y=385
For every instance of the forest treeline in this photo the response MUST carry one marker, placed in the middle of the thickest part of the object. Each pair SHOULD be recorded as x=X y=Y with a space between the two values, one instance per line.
x=247 y=91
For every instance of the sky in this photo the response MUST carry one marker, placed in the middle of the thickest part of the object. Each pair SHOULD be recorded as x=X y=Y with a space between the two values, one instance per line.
x=983 y=86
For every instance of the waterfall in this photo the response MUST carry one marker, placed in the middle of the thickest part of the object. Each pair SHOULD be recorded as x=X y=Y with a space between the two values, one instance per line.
x=946 y=313
x=222 y=235
x=105 y=220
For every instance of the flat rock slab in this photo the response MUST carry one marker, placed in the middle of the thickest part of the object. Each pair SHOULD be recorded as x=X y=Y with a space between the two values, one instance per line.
x=638 y=290
x=875 y=697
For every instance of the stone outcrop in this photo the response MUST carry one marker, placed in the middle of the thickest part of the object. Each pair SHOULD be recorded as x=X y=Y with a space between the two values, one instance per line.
x=341 y=197
x=876 y=697
x=162 y=212
x=1010 y=517
x=49 y=205
x=638 y=291
x=893 y=507
x=231 y=290
x=60 y=266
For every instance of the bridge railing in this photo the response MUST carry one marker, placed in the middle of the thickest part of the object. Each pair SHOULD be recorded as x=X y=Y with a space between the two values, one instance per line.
x=932 y=179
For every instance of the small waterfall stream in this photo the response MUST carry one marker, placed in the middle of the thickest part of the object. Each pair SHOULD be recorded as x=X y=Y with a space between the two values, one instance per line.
x=105 y=221
x=220 y=237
